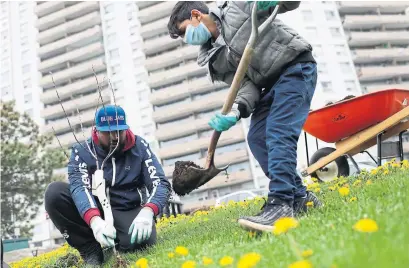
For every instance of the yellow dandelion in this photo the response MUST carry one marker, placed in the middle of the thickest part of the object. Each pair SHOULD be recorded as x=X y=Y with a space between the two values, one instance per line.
x=307 y=253
x=181 y=251
x=301 y=264
x=352 y=199
x=171 y=254
x=226 y=260
x=207 y=260
x=343 y=191
x=310 y=204
x=142 y=263
x=386 y=172
x=356 y=183
x=189 y=264
x=317 y=190
x=366 y=226
x=249 y=260
x=374 y=171
x=284 y=224
x=332 y=188
x=314 y=179
x=368 y=182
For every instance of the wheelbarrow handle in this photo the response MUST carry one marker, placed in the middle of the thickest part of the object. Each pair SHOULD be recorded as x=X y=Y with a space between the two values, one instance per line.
x=247 y=55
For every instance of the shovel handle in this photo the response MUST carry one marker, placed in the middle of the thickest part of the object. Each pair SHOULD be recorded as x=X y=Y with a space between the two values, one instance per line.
x=239 y=75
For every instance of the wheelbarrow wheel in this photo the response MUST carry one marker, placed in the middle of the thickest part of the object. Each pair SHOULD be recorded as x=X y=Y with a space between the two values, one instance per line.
x=338 y=167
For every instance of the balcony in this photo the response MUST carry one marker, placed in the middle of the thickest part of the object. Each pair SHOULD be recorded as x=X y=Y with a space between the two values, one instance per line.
x=155 y=28
x=376 y=21
x=175 y=131
x=144 y=4
x=229 y=137
x=167 y=59
x=211 y=101
x=62 y=126
x=155 y=12
x=75 y=72
x=74 y=41
x=176 y=74
x=380 y=55
x=78 y=87
x=68 y=13
x=82 y=103
x=160 y=44
x=69 y=28
x=184 y=90
x=222 y=159
x=379 y=87
x=68 y=139
x=357 y=39
x=74 y=56
x=366 y=74
x=373 y=7
x=48 y=7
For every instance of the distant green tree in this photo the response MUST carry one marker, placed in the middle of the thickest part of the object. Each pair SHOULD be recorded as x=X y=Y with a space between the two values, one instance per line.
x=26 y=169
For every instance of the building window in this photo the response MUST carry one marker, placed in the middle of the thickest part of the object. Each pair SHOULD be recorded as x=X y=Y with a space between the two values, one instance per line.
x=114 y=54
x=307 y=15
x=326 y=86
x=144 y=95
x=322 y=68
x=191 y=157
x=311 y=31
x=109 y=9
x=340 y=50
x=118 y=85
x=335 y=31
x=115 y=69
x=26 y=83
x=329 y=14
x=345 y=67
x=28 y=98
x=133 y=30
x=29 y=112
x=350 y=85
x=111 y=38
x=24 y=55
x=26 y=68
x=5 y=91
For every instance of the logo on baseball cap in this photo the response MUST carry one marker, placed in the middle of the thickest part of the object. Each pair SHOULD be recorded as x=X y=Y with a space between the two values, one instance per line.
x=106 y=119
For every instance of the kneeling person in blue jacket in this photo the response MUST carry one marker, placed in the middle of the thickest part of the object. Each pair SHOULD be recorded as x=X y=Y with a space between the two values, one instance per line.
x=78 y=214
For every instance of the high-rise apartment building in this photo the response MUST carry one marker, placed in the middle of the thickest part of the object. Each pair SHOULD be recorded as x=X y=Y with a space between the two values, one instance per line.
x=19 y=66
x=378 y=36
x=75 y=39
x=183 y=99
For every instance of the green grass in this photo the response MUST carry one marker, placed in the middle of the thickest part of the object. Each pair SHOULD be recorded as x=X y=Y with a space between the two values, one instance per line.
x=327 y=231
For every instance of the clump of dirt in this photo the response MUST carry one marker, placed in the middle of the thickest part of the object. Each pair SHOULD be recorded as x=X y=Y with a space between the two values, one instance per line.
x=346 y=98
x=120 y=262
x=181 y=186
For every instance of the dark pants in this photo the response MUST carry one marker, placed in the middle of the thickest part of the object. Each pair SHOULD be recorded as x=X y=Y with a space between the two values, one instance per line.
x=65 y=216
x=276 y=125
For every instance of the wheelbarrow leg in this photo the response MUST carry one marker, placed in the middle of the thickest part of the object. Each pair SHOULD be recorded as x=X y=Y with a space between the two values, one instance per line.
x=401 y=145
x=354 y=162
x=379 y=142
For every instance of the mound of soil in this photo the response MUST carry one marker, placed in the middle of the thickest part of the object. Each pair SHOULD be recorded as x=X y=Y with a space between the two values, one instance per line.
x=346 y=98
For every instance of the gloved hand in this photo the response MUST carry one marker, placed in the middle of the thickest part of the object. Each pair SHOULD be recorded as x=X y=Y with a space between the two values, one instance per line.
x=104 y=232
x=221 y=122
x=141 y=227
x=265 y=5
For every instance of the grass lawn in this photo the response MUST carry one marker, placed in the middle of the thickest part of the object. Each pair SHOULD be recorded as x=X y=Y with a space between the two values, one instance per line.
x=326 y=235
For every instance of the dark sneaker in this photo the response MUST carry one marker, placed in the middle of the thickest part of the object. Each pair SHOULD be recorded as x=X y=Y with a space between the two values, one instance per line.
x=272 y=210
x=92 y=254
x=301 y=204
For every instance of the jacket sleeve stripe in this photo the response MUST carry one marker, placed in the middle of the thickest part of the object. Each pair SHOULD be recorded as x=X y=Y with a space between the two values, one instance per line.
x=91 y=202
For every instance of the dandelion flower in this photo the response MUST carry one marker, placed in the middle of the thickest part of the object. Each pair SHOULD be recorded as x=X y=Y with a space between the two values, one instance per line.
x=332 y=188
x=307 y=253
x=284 y=224
x=301 y=264
x=310 y=204
x=352 y=199
x=249 y=260
x=386 y=172
x=142 y=263
x=368 y=182
x=343 y=191
x=356 y=183
x=314 y=179
x=225 y=261
x=171 y=254
x=189 y=264
x=366 y=226
x=181 y=251
x=317 y=190
x=207 y=260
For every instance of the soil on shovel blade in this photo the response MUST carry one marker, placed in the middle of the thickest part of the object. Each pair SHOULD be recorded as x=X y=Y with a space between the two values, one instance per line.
x=181 y=186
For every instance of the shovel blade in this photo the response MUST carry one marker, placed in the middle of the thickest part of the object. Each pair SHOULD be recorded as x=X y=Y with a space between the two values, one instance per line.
x=188 y=176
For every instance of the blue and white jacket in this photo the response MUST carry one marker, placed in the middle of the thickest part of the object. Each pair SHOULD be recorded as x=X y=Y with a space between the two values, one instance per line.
x=124 y=175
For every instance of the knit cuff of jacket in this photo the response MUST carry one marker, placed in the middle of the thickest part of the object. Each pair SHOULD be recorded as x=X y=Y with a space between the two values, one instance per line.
x=90 y=213
x=153 y=207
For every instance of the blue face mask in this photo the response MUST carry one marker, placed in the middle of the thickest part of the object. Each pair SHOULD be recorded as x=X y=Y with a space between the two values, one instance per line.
x=197 y=35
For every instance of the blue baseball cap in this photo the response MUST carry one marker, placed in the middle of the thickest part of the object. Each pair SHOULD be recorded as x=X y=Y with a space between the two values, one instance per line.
x=106 y=119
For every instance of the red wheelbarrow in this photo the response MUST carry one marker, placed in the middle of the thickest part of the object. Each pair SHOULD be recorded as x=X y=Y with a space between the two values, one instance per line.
x=355 y=125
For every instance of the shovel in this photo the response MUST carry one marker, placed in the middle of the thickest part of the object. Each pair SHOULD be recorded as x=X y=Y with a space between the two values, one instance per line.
x=188 y=176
